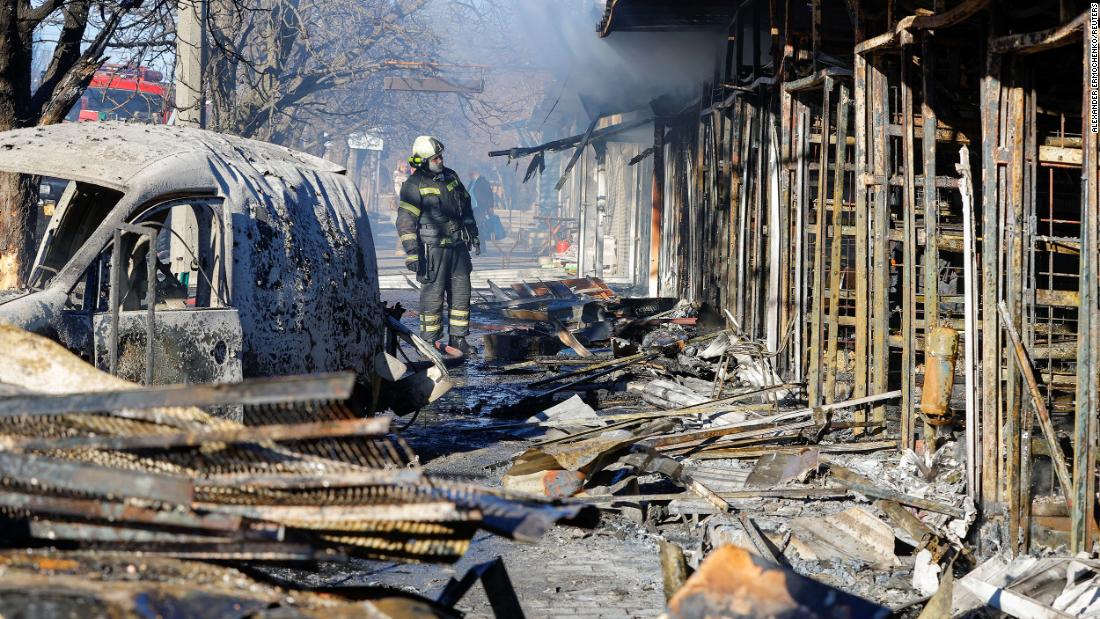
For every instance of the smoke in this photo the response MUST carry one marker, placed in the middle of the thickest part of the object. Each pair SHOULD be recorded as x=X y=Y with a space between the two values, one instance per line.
x=618 y=73
x=534 y=55
x=557 y=41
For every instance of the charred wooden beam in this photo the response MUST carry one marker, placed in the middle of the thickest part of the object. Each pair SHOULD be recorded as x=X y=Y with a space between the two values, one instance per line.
x=817 y=319
x=862 y=219
x=836 y=242
x=1082 y=529
x=1043 y=40
x=1058 y=459
x=656 y=218
x=907 y=434
x=880 y=275
x=901 y=34
x=991 y=332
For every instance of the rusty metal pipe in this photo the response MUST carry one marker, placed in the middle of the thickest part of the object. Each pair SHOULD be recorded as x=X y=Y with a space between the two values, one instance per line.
x=940 y=352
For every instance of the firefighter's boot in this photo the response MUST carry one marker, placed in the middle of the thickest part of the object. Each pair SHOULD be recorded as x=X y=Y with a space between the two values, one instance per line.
x=459 y=342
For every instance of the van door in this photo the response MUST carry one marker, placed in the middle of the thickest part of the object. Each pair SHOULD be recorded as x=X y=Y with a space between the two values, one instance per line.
x=168 y=316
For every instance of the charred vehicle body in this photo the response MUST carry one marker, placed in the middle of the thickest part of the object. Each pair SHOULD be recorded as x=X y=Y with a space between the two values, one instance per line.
x=178 y=255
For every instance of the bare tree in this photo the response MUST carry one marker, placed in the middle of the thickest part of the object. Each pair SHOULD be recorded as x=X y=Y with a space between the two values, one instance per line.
x=304 y=73
x=274 y=58
x=84 y=31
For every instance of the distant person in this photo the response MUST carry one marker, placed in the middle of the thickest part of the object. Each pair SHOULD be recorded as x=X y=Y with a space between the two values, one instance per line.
x=400 y=175
x=437 y=228
x=493 y=229
x=481 y=197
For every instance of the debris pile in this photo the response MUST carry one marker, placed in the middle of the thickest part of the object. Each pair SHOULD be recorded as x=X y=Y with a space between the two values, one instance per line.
x=690 y=432
x=45 y=583
x=547 y=317
x=286 y=473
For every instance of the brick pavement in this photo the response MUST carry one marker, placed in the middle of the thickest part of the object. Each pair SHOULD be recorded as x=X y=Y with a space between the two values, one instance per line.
x=597 y=576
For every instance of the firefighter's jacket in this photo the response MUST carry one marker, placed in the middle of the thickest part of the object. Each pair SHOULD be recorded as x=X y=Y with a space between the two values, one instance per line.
x=434 y=211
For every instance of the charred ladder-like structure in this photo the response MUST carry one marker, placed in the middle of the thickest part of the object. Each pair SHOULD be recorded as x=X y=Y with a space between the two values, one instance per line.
x=856 y=175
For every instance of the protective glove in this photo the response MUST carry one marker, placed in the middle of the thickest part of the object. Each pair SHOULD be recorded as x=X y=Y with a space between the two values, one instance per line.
x=412 y=265
x=475 y=245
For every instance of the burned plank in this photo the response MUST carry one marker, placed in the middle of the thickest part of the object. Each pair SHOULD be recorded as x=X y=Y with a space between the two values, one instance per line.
x=335 y=386
x=432 y=511
x=674 y=568
x=861 y=485
x=762 y=546
x=74 y=476
x=372 y=427
x=767 y=423
x=92 y=533
x=343 y=479
x=794 y=493
x=118 y=512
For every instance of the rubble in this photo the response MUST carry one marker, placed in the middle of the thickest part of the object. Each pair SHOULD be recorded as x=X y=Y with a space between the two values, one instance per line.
x=793 y=485
x=41 y=583
x=1031 y=587
x=685 y=427
x=895 y=208
x=830 y=341
x=129 y=474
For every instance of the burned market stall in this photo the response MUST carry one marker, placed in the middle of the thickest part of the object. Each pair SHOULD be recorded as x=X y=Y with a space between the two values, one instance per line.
x=894 y=205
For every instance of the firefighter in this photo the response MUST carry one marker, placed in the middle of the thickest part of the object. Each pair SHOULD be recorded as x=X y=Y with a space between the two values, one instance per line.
x=436 y=226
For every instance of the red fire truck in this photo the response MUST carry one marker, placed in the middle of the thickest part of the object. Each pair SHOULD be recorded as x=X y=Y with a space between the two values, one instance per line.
x=120 y=92
x=116 y=92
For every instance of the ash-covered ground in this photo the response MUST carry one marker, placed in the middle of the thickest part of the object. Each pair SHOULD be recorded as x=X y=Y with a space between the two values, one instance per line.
x=611 y=572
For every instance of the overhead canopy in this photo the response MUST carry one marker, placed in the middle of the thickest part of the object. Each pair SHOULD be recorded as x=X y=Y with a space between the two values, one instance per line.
x=662 y=15
x=616 y=127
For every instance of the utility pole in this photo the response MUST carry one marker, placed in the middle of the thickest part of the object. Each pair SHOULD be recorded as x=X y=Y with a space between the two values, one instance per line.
x=190 y=60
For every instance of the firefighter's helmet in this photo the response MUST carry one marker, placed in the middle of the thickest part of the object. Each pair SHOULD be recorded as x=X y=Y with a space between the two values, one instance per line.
x=424 y=148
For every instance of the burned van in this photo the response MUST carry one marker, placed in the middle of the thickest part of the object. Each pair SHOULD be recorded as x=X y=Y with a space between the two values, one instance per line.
x=180 y=255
